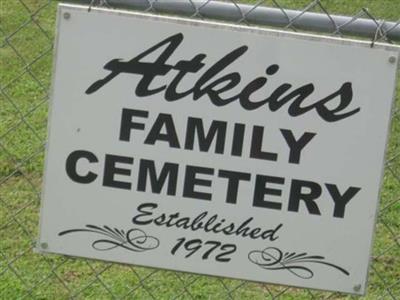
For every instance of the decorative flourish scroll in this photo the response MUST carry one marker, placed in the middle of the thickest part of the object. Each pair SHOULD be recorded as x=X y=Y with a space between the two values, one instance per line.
x=272 y=258
x=134 y=239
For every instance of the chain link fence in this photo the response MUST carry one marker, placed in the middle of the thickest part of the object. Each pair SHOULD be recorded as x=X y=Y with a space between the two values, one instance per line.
x=27 y=31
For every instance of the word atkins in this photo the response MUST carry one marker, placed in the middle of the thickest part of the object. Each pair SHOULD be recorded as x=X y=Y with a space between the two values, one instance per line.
x=329 y=108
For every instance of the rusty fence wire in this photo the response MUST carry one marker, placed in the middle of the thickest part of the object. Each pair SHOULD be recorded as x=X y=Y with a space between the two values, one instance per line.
x=27 y=32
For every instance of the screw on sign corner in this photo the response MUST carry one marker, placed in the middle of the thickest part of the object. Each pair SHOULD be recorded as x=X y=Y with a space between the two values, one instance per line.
x=392 y=59
x=357 y=287
x=67 y=16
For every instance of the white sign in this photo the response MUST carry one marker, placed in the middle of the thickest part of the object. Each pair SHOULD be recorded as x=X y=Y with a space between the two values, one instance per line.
x=216 y=149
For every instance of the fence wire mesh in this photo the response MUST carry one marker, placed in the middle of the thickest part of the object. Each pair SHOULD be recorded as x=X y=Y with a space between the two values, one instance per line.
x=27 y=32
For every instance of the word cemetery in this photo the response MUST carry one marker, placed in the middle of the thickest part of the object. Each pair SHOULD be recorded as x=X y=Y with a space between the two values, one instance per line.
x=168 y=174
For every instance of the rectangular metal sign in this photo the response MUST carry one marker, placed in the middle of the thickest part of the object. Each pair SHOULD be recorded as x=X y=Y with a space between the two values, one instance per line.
x=216 y=149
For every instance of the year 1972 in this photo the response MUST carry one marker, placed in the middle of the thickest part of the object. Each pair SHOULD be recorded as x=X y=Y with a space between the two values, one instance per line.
x=220 y=252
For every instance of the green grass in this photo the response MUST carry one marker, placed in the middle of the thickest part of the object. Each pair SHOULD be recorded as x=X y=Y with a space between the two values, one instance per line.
x=23 y=116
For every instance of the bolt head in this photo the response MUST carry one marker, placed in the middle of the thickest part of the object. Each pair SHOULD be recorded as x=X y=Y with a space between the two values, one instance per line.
x=44 y=245
x=392 y=59
x=67 y=15
x=357 y=287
